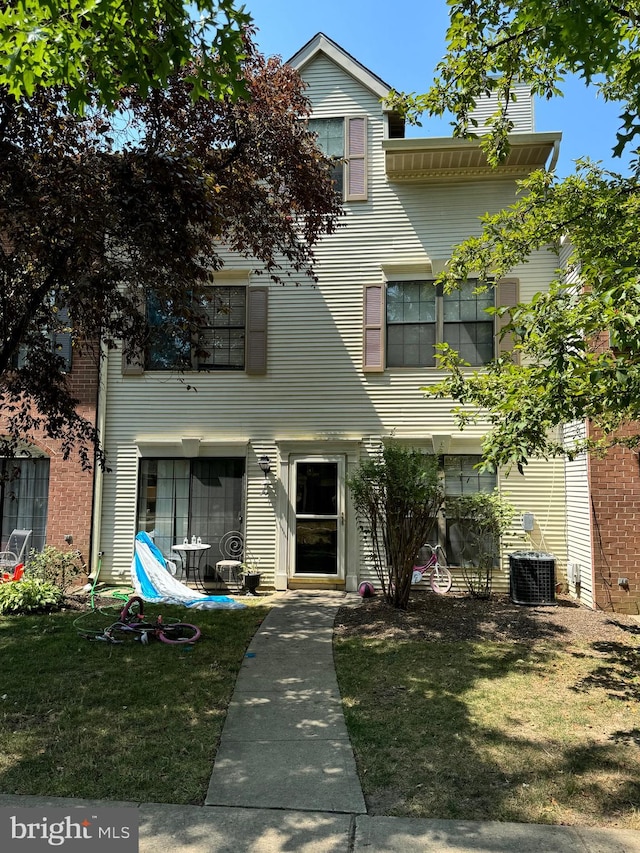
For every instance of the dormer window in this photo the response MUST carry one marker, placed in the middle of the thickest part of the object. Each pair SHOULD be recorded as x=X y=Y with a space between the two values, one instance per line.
x=345 y=141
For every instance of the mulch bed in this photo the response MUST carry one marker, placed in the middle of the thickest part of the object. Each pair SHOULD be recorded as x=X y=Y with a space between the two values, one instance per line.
x=448 y=618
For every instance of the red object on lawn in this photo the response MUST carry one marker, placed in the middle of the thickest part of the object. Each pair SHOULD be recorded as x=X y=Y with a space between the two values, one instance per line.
x=9 y=577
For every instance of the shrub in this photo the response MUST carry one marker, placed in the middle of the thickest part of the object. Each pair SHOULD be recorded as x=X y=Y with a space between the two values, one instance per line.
x=54 y=566
x=30 y=595
x=397 y=496
x=477 y=521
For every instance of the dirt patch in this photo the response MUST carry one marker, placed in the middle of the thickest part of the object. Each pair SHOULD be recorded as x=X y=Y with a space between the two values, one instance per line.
x=449 y=618
x=81 y=602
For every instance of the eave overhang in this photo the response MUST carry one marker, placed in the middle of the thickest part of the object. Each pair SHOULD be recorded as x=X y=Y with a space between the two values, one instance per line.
x=447 y=159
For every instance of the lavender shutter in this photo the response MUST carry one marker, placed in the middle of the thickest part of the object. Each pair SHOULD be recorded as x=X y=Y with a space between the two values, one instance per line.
x=356 y=167
x=373 y=349
x=256 y=339
x=507 y=294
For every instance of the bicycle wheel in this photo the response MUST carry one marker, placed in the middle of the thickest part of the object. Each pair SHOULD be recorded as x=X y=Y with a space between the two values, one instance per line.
x=133 y=609
x=178 y=633
x=440 y=579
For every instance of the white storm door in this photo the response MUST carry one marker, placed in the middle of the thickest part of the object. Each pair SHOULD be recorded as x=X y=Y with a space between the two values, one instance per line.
x=317 y=540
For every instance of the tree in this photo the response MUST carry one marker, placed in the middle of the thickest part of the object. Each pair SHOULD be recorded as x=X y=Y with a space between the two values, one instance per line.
x=96 y=49
x=567 y=369
x=397 y=497
x=98 y=212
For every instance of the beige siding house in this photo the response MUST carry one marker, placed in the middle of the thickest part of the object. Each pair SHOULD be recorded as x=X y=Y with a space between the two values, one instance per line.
x=319 y=376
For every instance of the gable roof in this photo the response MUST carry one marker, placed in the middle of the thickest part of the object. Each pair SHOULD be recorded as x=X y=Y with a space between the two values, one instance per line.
x=322 y=44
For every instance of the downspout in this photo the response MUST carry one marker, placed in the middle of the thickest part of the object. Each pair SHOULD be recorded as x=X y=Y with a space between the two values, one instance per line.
x=98 y=478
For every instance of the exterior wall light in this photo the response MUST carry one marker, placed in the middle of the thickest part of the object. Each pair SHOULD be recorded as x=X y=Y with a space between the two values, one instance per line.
x=265 y=464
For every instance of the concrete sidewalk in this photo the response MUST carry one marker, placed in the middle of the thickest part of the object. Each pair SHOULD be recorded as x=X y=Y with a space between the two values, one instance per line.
x=284 y=779
x=213 y=829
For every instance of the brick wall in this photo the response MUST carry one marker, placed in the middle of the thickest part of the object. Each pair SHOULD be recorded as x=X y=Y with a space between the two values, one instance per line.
x=615 y=515
x=70 y=488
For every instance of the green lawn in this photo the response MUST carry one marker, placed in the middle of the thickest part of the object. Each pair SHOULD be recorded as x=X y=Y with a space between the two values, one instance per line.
x=541 y=732
x=127 y=722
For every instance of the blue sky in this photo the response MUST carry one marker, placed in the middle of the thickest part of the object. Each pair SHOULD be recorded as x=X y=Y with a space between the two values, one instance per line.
x=403 y=41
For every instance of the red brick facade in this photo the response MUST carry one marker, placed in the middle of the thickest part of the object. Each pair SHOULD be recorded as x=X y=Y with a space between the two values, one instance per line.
x=614 y=483
x=70 y=500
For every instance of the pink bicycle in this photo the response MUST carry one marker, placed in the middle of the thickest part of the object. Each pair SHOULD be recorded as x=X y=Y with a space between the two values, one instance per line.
x=435 y=566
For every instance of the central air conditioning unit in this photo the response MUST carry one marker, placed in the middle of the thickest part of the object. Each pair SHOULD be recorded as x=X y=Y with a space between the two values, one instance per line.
x=532 y=577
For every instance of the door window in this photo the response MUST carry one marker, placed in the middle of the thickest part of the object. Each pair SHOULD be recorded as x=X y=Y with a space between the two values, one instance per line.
x=316 y=518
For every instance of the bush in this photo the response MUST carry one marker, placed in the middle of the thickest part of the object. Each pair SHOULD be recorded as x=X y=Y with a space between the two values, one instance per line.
x=477 y=521
x=397 y=496
x=30 y=595
x=56 y=567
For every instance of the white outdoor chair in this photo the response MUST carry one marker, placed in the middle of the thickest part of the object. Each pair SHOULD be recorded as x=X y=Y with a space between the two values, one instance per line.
x=232 y=550
x=16 y=550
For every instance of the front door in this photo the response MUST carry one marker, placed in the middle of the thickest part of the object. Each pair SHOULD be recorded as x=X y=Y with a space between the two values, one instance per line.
x=318 y=522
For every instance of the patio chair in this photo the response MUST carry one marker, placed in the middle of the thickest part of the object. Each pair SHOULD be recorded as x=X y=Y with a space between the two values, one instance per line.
x=232 y=550
x=13 y=558
x=15 y=552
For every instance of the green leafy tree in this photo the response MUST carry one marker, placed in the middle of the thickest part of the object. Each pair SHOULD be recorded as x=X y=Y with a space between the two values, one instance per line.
x=397 y=496
x=99 y=212
x=578 y=344
x=96 y=49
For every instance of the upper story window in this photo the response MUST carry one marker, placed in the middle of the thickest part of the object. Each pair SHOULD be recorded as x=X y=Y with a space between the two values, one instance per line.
x=232 y=335
x=420 y=315
x=59 y=341
x=169 y=346
x=330 y=133
x=345 y=140
x=219 y=344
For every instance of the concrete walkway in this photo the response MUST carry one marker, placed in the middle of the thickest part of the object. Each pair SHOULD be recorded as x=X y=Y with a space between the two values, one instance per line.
x=284 y=779
x=285 y=742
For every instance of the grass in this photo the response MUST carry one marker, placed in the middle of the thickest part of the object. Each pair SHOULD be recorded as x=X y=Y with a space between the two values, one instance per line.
x=129 y=722
x=535 y=733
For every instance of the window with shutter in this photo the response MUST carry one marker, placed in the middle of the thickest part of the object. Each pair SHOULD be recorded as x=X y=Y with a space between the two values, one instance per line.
x=221 y=339
x=232 y=336
x=420 y=315
x=345 y=141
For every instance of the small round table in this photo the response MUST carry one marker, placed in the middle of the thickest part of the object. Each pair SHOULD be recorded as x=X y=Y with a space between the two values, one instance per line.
x=190 y=556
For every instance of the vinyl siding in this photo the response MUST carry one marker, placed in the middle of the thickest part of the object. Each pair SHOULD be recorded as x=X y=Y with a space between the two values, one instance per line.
x=579 y=534
x=520 y=110
x=314 y=389
x=541 y=491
